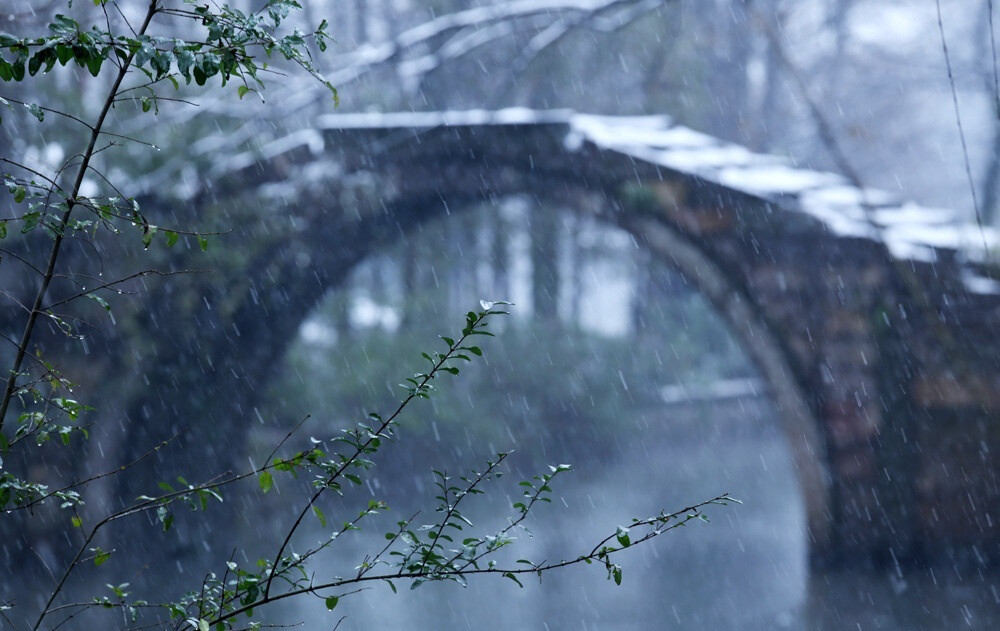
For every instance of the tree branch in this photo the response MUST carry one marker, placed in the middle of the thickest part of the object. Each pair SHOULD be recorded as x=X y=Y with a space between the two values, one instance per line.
x=64 y=222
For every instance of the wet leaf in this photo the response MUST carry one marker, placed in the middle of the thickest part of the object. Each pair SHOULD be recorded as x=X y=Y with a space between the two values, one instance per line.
x=265 y=480
x=319 y=515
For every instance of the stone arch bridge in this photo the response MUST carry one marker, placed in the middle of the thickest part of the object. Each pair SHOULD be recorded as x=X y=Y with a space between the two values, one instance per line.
x=872 y=320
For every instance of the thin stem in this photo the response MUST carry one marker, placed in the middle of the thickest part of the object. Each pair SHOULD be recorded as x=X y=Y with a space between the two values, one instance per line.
x=65 y=577
x=400 y=528
x=32 y=171
x=53 y=111
x=108 y=285
x=284 y=440
x=452 y=508
x=64 y=222
x=961 y=130
x=597 y=553
x=96 y=477
x=996 y=70
x=419 y=387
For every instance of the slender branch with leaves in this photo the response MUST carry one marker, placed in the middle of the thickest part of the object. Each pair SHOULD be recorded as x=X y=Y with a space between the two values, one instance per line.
x=38 y=402
x=235 y=46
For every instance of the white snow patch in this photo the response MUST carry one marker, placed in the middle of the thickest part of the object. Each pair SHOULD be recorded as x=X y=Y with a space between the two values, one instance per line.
x=585 y=122
x=524 y=116
x=843 y=225
x=714 y=391
x=846 y=195
x=909 y=251
x=644 y=131
x=451 y=118
x=954 y=237
x=776 y=179
x=980 y=284
x=911 y=213
x=304 y=137
x=699 y=159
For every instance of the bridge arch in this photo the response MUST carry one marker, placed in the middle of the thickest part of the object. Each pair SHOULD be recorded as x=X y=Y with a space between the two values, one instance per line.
x=831 y=324
x=731 y=301
x=393 y=178
x=799 y=423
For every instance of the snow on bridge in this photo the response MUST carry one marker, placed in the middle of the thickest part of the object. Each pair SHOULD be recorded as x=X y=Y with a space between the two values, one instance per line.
x=910 y=231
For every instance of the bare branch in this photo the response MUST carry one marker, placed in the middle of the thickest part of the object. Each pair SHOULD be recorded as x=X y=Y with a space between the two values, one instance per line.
x=148 y=272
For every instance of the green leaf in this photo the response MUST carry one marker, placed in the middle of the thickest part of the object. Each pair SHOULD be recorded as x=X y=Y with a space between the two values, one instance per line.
x=202 y=243
x=319 y=515
x=185 y=61
x=165 y=517
x=64 y=53
x=18 y=65
x=36 y=63
x=30 y=221
x=513 y=577
x=171 y=237
x=19 y=194
x=143 y=53
x=76 y=521
x=331 y=602
x=622 y=536
x=147 y=104
x=100 y=301
x=161 y=63
x=265 y=480
x=147 y=235
x=242 y=91
x=203 y=625
x=94 y=64
x=63 y=24
x=100 y=557
x=36 y=111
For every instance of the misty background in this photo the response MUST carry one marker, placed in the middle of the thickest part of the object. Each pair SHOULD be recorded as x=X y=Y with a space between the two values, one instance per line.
x=610 y=360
